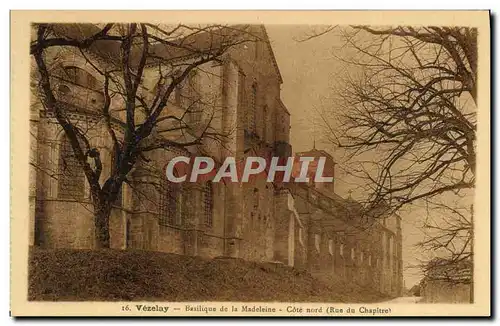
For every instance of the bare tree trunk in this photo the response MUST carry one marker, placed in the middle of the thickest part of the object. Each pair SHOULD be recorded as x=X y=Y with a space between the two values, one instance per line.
x=102 y=211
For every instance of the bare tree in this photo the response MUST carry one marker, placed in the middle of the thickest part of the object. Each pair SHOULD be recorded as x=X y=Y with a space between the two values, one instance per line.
x=121 y=54
x=448 y=232
x=409 y=100
x=404 y=112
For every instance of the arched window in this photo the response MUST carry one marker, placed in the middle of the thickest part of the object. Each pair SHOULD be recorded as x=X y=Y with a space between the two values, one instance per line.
x=171 y=202
x=242 y=99
x=317 y=242
x=256 y=200
x=264 y=123
x=193 y=98
x=178 y=95
x=80 y=77
x=301 y=236
x=208 y=203
x=252 y=108
x=71 y=178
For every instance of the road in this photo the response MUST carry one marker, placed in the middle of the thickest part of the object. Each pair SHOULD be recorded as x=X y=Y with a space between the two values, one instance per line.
x=404 y=300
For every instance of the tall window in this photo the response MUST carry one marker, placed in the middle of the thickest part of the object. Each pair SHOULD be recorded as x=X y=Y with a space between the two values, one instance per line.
x=71 y=177
x=178 y=95
x=256 y=199
x=317 y=241
x=257 y=50
x=242 y=107
x=193 y=98
x=179 y=216
x=80 y=77
x=171 y=202
x=252 y=108
x=208 y=203
x=264 y=123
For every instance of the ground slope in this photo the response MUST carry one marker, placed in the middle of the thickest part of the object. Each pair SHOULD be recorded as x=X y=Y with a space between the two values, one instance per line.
x=132 y=275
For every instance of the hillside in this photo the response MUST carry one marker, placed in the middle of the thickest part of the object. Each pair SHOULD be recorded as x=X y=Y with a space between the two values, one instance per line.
x=107 y=275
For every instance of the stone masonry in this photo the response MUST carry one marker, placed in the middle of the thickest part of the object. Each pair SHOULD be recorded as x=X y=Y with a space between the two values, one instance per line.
x=307 y=226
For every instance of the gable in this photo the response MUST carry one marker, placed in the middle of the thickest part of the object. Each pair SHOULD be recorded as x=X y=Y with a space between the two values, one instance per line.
x=270 y=52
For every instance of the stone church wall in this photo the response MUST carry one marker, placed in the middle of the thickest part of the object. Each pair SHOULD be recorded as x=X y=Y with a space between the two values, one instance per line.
x=56 y=228
x=252 y=221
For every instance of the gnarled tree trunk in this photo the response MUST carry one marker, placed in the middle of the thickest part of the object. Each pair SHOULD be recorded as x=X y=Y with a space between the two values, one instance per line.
x=102 y=212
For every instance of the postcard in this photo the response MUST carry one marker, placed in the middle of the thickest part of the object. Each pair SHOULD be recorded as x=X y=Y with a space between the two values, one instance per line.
x=250 y=163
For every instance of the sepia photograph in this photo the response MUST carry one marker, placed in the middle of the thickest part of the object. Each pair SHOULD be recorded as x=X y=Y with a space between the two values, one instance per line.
x=245 y=166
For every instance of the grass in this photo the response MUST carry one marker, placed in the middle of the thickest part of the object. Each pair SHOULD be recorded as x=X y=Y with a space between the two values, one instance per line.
x=133 y=275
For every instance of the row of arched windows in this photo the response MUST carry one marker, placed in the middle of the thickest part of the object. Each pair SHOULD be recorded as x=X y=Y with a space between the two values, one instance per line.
x=71 y=179
x=81 y=77
x=252 y=113
x=172 y=205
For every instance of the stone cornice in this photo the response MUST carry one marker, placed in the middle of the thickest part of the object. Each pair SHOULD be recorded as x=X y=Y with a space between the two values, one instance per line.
x=84 y=115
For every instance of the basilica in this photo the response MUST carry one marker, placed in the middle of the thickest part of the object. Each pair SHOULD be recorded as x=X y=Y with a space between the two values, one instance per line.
x=304 y=225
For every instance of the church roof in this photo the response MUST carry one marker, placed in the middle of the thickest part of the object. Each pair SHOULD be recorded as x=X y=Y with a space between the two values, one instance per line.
x=195 y=44
x=283 y=106
x=316 y=153
x=273 y=58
